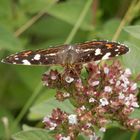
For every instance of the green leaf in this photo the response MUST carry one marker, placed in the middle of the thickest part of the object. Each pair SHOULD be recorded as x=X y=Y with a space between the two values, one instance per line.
x=69 y=11
x=36 y=134
x=31 y=76
x=117 y=134
x=8 y=41
x=5 y=13
x=26 y=127
x=131 y=60
x=133 y=30
x=46 y=95
x=39 y=111
x=82 y=137
x=33 y=6
x=108 y=29
x=135 y=114
x=14 y=93
x=45 y=28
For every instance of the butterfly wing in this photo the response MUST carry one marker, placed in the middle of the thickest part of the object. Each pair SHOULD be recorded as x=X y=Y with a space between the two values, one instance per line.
x=79 y=53
x=38 y=57
x=99 y=50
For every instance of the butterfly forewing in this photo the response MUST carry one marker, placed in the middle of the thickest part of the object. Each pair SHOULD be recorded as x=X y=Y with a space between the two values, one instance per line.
x=99 y=50
x=37 y=57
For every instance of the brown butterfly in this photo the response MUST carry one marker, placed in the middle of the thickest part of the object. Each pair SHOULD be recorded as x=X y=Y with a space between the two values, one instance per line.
x=69 y=54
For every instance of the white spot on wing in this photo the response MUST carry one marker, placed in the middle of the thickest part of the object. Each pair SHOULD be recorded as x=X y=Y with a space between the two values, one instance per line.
x=70 y=47
x=106 y=56
x=26 y=62
x=51 y=54
x=87 y=50
x=97 y=51
x=16 y=58
x=37 y=57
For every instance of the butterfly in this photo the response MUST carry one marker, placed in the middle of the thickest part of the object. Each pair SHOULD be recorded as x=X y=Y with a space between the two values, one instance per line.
x=66 y=55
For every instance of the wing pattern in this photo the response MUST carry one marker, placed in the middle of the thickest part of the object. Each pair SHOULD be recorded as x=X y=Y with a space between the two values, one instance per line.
x=79 y=54
x=99 y=50
x=37 y=57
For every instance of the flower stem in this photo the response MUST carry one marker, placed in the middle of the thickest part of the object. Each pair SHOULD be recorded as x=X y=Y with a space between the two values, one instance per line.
x=28 y=104
x=134 y=135
x=79 y=22
x=127 y=18
x=6 y=128
x=29 y=23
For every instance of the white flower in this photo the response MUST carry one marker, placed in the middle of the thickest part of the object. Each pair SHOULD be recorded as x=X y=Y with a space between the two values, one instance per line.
x=108 y=89
x=65 y=138
x=104 y=102
x=46 y=119
x=53 y=77
x=82 y=107
x=69 y=79
x=127 y=72
x=45 y=83
x=134 y=86
x=95 y=83
x=98 y=72
x=118 y=83
x=111 y=81
x=127 y=103
x=124 y=85
x=131 y=97
x=134 y=104
x=124 y=79
x=72 y=119
x=106 y=70
x=121 y=96
x=66 y=94
x=102 y=129
x=88 y=125
x=53 y=126
x=91 y=100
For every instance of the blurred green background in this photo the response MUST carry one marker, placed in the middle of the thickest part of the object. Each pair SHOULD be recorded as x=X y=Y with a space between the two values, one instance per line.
x=33 y=24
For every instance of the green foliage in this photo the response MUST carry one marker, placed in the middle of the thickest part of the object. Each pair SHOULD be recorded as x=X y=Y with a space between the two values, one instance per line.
x=115 y=134
x=45 y=108
x=6 y=114
x=18 y=83
x=8 y=41
x=35 y=134
x=70 y=11
x=133 y=30
x=131 y=60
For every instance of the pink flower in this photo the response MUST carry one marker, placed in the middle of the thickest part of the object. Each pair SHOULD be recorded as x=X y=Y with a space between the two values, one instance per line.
x=105 y=94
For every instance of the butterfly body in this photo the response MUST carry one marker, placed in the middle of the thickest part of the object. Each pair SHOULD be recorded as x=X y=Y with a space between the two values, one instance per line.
x=68 y=55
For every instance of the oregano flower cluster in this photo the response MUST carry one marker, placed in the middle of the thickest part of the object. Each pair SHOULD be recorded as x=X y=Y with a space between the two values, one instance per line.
x=101 y=94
